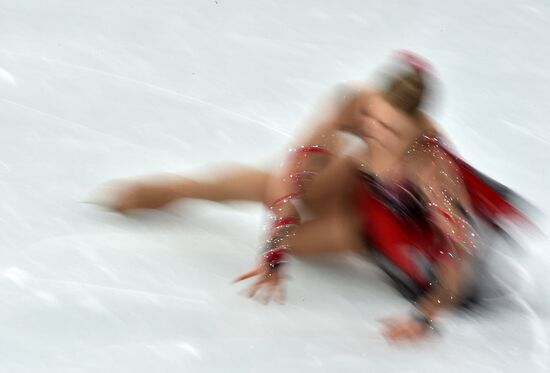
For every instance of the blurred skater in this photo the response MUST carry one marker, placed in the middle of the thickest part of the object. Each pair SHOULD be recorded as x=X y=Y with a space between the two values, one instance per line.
x=403 y=198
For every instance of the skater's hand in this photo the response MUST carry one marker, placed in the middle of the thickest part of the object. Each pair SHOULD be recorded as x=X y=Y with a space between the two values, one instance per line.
x=268 y=285
x=405 y=328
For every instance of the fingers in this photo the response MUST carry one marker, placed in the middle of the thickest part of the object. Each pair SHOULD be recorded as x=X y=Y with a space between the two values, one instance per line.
x=268 y=284
x=268 y=294
x=277 y=290
x=396 y=330
x=256 y=286
x=244 y=276
x=272 y=289
x=280 y=294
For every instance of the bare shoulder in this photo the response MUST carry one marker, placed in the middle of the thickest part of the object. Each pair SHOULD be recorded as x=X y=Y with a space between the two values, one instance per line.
x=426 y=123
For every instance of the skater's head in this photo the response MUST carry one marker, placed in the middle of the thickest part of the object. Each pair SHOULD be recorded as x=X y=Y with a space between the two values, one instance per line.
x=405 y=92
x=406 y=88
x=390 y=116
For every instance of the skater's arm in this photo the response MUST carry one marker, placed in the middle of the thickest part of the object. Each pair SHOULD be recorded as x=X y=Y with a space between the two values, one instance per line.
x=453 y=278
x=448 y=207
x=340 y=113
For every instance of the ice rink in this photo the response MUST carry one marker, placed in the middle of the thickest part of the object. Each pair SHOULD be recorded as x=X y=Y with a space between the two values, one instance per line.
x=92 y=91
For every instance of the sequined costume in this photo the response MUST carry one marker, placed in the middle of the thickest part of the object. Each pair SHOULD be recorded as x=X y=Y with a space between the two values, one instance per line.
x=429 y=216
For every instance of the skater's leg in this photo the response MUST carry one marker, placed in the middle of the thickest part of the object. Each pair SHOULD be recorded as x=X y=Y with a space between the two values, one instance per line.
x=328 y=234
x=236 y=183
x=334 y=226
x=330 y=191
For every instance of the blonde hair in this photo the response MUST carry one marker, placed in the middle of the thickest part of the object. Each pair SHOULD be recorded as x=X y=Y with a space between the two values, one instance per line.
x=406 y=91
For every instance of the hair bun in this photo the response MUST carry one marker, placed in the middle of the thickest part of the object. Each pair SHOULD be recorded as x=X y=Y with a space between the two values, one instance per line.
x=419 y=64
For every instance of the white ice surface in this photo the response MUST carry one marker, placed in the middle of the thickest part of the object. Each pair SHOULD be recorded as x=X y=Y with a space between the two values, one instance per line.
x=96 y=90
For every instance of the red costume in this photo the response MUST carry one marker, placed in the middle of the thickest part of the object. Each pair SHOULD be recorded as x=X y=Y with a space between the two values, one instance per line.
x=400 y=221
